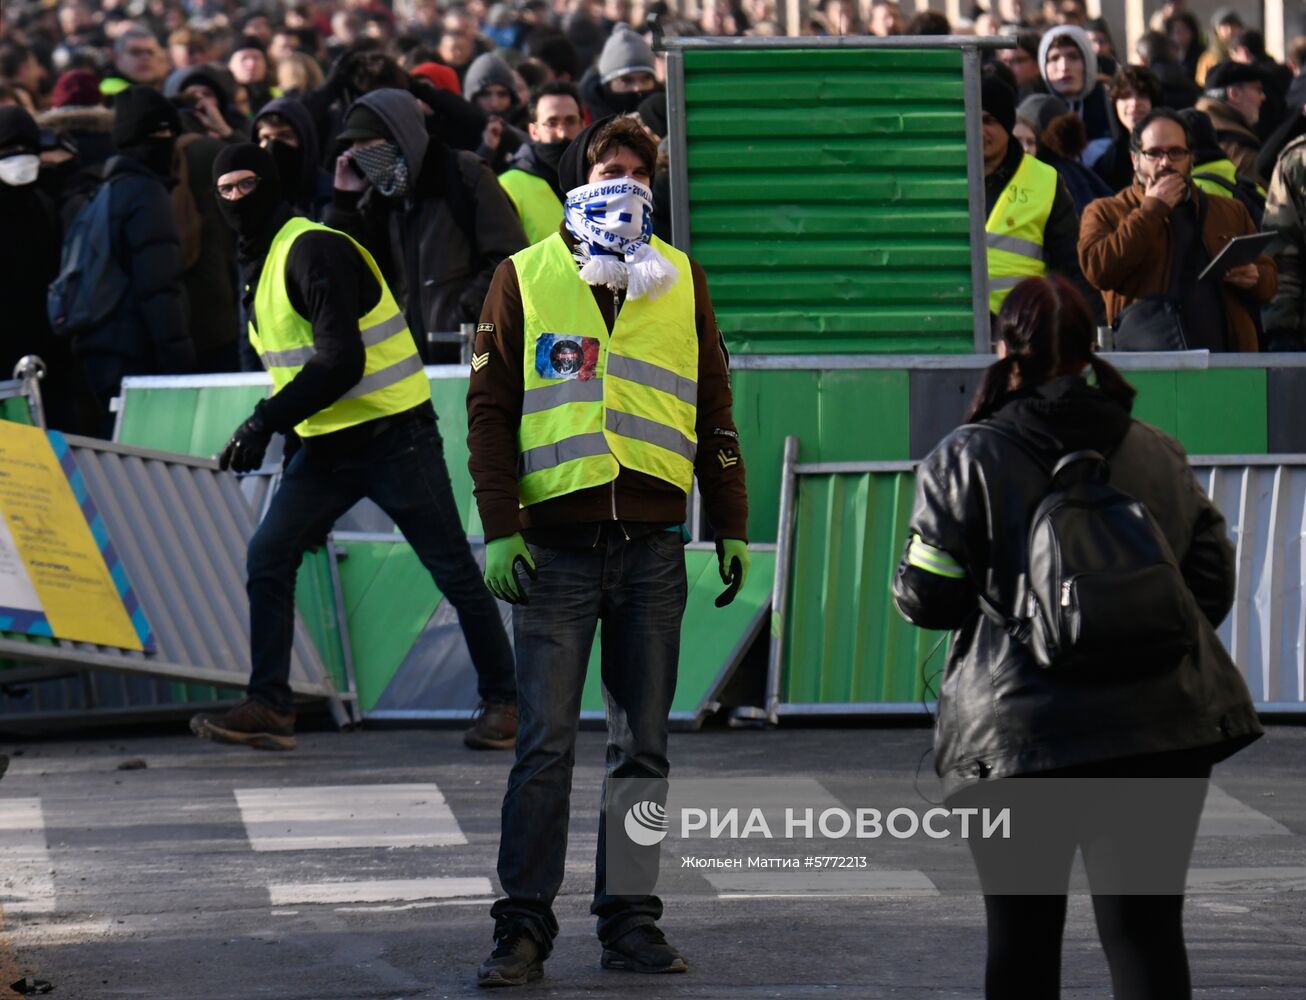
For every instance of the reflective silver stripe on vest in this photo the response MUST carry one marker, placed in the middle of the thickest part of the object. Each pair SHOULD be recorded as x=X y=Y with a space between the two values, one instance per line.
x=655 y=376
x=378 y=332
x=385 y=377
x=1007 y=283
x=292 y=357
x=546 y=397
x=547 y=456
x=651 y=432
x=1014 y=244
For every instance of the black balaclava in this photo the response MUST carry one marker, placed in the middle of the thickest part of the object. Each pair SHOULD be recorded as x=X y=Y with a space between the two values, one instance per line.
x=289 y=161
x=257 y=216
x=138 y=112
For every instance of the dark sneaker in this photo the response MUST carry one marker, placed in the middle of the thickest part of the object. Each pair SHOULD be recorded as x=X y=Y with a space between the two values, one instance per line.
x=515 y=961
x=643 y=948
x=494 y=727
x=251 y=724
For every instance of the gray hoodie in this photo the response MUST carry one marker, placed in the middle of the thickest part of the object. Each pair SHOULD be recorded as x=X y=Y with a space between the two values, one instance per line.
x=437 y=248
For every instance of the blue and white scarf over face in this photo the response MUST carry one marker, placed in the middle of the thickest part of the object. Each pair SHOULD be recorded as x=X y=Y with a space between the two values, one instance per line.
x=612 y=222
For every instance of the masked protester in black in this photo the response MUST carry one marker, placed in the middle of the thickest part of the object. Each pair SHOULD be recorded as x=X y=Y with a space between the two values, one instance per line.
x=147 y=334
x=348 y=380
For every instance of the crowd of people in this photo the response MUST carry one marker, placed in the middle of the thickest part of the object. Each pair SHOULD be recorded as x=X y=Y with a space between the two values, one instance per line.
x=141 y=97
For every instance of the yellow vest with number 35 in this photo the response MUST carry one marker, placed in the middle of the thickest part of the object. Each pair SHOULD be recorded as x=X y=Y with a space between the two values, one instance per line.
x=1015 y=229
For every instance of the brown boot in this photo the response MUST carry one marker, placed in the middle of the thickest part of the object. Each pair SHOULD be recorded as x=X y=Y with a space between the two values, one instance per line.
x=494 y=727
x=251 y=724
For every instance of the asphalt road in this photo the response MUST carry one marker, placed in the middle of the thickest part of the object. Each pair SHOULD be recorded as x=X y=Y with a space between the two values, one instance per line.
x=185 y=879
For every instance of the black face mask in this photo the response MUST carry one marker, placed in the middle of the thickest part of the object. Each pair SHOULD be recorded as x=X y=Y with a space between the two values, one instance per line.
x=624 y=103
x=550 y=153
x=253 y=215
x=290 y=163
x=155 y=154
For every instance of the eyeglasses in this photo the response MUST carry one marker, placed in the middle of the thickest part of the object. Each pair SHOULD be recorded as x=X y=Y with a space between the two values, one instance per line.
x=242 y=187
x=1157 y=155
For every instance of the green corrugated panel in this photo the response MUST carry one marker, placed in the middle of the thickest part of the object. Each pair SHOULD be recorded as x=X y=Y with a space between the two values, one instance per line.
x=709 y=636
x=389 y=597
x=828 y=198
x=844 y=642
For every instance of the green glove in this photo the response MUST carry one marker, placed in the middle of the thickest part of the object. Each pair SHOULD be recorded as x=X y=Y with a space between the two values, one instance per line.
x=732 y=564
x=501 y=558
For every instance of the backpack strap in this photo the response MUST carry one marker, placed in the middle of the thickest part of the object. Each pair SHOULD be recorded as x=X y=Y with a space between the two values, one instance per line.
x=1222 y=181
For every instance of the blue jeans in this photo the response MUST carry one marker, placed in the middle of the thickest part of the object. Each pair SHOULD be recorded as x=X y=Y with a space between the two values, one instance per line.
x=402 y=470
x=638 y=589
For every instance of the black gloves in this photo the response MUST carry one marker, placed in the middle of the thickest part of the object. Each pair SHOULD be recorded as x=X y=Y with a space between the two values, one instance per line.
x=244 y=452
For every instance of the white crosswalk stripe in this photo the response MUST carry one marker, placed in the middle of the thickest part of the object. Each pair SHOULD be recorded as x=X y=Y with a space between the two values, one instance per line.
x=26 y=873
x=334 y=817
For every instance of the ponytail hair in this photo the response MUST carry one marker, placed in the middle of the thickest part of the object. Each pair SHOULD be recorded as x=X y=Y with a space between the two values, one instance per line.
x=1048 y=332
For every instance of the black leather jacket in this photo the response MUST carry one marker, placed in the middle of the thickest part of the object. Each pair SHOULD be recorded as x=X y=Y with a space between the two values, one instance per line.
x=1000 y=714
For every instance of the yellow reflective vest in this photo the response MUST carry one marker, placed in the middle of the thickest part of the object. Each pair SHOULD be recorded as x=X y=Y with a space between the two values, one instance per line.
x=537 y=205
x=594 y=402
x=393 y=380
x=1015 y=229
x=1223 y=169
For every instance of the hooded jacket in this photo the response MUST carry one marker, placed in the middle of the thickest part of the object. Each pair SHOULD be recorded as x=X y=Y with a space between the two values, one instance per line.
x=218 y=80
x=148 y=333
x=438 y=246
x=89 y=127
x=310 y=192
x=485 y=71
x=1090 y=102
x=1000 y=714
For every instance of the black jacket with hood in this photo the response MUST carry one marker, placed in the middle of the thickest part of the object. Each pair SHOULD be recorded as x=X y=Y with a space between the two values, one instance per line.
x=438 y=246
x=148 y=331
x=310 y=192
x=1000 y=714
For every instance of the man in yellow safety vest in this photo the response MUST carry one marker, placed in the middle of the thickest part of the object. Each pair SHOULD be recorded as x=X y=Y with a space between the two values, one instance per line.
x=531 y=182
x=347 y=379
x=1032 y=227
x=600 y=390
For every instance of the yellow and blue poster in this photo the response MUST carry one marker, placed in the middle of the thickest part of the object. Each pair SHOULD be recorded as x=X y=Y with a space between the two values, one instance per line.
x=59 y=574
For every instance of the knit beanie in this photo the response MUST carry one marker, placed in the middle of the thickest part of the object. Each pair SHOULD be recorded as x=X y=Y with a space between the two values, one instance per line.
x=18 y=130
x=139 y=111
x=441 y=77
x=999 y=100
x=625 y=52
x=488 y=70
x=77 y=87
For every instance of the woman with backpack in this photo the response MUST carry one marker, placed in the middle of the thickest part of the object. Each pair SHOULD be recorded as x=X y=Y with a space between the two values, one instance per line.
x=1082 y=596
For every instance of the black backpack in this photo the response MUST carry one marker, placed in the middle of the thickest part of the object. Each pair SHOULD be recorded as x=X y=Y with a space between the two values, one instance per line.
x=1101 y=591
x=91 y=282
x=1242 y=190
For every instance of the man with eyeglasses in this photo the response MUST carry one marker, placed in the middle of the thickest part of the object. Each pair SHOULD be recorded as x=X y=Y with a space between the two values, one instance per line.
x=138 y=58
x=1023 y=63
x=531 y=182
x=1152 y=240
x=347 y=379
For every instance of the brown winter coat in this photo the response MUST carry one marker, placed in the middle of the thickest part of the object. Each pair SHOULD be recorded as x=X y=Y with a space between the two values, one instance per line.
x=1124 y=249
x=1239 y=142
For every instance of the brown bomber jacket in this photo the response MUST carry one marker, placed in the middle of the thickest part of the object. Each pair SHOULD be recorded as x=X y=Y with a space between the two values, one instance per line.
x=494 y=401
